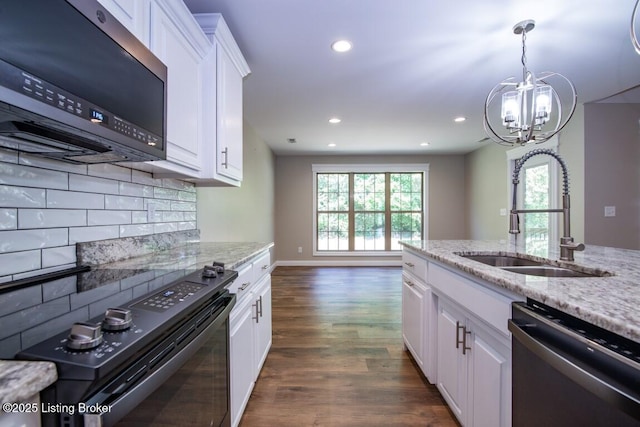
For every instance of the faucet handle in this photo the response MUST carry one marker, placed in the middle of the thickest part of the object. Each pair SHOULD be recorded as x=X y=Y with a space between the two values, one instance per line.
x=568 y=243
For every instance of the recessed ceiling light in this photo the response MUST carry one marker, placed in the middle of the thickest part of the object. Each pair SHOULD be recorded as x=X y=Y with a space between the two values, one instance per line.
x=334 y=120
x=341 y=46
x=291 y=140
x=424 y=144
x=331 y=144
x=459 y=119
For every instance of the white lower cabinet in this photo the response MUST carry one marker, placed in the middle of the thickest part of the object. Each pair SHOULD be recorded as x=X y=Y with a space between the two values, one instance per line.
x=473 y=349
x=250 y=331
x=418 y=314
x=455 y=327
x=413 y=318
x=262 y=321
x=241 y=350
x=474 y=369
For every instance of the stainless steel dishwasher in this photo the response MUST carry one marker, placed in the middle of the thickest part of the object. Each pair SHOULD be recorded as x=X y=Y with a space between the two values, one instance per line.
x=567 y=372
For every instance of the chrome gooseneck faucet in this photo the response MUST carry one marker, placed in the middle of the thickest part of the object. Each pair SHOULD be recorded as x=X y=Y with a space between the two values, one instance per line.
x=567 y=245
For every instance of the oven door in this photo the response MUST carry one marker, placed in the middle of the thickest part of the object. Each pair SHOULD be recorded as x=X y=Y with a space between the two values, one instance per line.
x=189 y=388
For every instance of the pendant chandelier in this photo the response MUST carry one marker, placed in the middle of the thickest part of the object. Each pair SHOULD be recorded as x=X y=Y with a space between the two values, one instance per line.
x=531 y=110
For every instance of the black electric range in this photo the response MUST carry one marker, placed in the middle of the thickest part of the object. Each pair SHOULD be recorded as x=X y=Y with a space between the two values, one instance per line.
x=101 y=359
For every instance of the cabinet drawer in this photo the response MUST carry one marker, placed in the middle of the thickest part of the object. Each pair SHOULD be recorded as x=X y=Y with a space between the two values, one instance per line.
x=242 y=284
x=486 y=304
x=415 y=265
x=261 y=266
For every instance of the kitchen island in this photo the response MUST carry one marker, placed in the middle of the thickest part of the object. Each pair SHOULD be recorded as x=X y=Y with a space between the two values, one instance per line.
x=608 y=302
x=456 y=311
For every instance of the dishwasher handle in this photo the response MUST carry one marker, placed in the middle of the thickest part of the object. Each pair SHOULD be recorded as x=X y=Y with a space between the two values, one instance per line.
x=608 y=392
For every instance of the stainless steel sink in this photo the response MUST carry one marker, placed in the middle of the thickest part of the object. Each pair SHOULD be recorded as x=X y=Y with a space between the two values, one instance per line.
x=547 y=271
x=532 y=267
x=502 y=260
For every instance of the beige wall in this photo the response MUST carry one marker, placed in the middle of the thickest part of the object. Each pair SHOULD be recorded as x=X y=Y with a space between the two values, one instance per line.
x=612 y=159
x=294 y=203
x=486 y=192
x=231 y=214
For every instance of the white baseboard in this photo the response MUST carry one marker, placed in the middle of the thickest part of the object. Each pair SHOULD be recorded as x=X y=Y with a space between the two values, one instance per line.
x=339 y=263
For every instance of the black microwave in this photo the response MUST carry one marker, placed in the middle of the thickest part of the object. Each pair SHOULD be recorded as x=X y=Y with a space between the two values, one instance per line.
x=77 y=86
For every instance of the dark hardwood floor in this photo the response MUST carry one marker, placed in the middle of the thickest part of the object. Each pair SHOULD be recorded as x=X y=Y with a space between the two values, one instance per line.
x=337 y=357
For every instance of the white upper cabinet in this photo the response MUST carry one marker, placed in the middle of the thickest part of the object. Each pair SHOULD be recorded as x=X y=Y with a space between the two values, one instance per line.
x=177 y=40
x=224 y=71
x=133 y=14
x=205 y=72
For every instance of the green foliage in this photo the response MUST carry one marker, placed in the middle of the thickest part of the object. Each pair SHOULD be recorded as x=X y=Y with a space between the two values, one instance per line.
x=370 y=209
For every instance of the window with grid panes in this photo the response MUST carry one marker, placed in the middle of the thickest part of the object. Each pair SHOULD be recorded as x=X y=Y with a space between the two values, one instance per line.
x=368 y=211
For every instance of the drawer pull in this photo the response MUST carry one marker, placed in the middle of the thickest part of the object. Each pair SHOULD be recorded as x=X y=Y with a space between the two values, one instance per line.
x=409 y=264
x=244 y=286
x=264 y=267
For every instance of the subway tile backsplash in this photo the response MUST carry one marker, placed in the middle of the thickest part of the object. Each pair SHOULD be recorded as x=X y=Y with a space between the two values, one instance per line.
x=47 y=206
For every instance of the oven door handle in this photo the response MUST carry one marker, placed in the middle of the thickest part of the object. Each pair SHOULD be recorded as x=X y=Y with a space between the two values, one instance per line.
x=602 y=389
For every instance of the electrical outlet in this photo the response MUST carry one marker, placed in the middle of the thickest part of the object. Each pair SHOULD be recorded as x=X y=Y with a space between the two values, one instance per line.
x=609 y=211
x=299 y=249
x=503 y=211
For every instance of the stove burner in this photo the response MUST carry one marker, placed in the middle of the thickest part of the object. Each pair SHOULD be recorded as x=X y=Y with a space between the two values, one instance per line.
x=84 y=336
x=117 y=319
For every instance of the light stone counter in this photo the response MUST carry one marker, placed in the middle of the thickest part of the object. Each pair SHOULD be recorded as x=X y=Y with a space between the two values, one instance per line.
x=613 y=303
x=192 y=255
x=20 y=381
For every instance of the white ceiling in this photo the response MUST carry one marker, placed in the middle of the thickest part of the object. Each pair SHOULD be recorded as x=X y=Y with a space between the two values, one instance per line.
x=415 y=65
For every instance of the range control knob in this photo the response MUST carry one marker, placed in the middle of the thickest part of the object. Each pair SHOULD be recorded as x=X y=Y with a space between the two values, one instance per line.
x=116 y=319
x=84 y=336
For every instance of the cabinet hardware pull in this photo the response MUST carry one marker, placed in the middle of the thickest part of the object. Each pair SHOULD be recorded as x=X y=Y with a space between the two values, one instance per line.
x=458 y=341
x=260 y=301
x=225 y=153
x=409 y=282
x=410 y=264
x=264 y=267
x=257 y=318
x=464 y=340
x=244 y=286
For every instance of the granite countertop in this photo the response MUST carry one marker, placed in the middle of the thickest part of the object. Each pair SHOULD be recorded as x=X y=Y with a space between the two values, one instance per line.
x=21 y=380
x=191 y=255
x=609 y=302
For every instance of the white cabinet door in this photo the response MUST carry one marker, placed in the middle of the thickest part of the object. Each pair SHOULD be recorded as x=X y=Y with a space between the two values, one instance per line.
x=229 y=117
x=242 y=358
x=133 y=14
x=474 y=369
x=262 y=325
x=452 y=365
x=171 y=40
x=413 y=318
x=225 y=69
x=491 y=380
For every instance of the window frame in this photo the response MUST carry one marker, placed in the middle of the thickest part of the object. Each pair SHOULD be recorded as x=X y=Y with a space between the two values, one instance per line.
x=555 y=219
x=368 y=168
